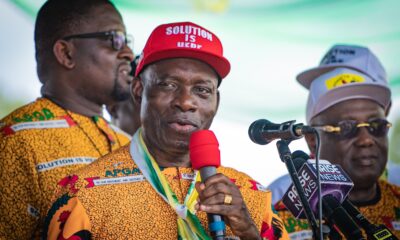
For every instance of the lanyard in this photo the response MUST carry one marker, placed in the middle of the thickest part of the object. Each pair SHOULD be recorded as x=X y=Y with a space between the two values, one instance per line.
x=189 y=226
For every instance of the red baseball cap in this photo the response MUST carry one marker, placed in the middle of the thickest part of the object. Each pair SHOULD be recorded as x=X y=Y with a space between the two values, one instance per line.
x=184 y=40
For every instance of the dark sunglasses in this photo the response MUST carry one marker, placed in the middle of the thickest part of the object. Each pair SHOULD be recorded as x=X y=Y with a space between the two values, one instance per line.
x=349 y=128
x=118 y=38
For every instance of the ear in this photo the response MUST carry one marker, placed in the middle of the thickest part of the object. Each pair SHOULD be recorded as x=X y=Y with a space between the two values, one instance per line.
x=63 y=52
x=218 y=98
x=311 y=142
x=137 y=91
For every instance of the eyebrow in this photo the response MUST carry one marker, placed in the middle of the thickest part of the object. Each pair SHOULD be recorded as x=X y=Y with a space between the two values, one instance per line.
x=206 y=81
x=368 y=115
x=198 y=80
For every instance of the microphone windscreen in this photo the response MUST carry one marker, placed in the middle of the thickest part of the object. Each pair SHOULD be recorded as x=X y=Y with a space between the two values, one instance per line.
x=299 y=159
x=204 y=151
x=255 y=131
x=300 y=154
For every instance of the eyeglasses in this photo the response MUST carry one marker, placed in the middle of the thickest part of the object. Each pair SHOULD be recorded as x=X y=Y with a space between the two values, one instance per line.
x=349 y=128
x=118 y=38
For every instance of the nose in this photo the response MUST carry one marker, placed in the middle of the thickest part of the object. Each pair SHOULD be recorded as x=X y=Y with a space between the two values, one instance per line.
x=126 y=53
x=185 y=101
x=364 y=138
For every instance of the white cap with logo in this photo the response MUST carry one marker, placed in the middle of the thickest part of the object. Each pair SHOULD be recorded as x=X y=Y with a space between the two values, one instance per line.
x=345 y=72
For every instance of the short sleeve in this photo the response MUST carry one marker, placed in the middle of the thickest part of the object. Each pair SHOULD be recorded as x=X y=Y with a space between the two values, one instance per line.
x=67 y=219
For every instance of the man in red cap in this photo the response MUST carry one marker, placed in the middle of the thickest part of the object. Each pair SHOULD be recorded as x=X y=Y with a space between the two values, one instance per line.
x=148 y=189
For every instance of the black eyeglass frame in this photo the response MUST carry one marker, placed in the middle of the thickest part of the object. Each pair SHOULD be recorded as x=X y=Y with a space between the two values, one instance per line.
x=107 y=34
x=354 y=127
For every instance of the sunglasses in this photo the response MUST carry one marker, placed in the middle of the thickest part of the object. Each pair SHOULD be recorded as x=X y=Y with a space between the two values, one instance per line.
x=349 y=128
x=118 y=38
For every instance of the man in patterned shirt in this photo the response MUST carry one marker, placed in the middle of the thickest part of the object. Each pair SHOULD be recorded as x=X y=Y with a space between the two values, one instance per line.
x=349 y=100
x=83 y=62
x=125 y=114
x=148 y=190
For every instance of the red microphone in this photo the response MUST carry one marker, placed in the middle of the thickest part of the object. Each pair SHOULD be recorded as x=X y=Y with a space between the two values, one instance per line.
x=205 y=157
x=204 y=151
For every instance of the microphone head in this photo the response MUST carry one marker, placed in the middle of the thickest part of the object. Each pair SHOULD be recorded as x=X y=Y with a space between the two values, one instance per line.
x=300 y=154
x=204 y=151
x=255 y=131
x=299 y=158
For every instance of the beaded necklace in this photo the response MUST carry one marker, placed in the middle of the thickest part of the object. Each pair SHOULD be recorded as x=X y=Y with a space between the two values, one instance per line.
x=90 y=139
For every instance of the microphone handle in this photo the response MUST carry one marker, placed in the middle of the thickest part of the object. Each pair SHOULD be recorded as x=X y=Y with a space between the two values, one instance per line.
x=356 y=215
x=337 y=214
x=216 y=224
x=374 y=232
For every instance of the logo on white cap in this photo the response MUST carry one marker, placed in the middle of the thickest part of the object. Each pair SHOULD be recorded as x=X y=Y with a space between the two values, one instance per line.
x=343 y=84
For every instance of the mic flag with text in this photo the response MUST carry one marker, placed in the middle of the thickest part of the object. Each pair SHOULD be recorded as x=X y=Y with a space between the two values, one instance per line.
x=334 y=181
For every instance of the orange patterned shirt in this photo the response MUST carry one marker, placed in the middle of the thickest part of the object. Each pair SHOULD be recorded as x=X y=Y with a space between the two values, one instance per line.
x=384 y=211
x=110 y=199
x=40 y=143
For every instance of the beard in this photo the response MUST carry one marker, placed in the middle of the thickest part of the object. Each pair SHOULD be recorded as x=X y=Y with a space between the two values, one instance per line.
x=119 y=93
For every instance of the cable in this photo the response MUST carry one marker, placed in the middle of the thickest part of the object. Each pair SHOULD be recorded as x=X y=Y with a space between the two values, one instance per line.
x=317 y=152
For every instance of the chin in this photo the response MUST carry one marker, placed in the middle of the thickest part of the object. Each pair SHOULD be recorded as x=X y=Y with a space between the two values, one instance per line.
x=365 y=182
x=182 y=145
x=179 y=146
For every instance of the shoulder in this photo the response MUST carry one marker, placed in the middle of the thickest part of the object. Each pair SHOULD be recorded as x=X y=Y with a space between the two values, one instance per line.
x=39 y=114
x=281 y=182
x=12 y=116
x=242 y=179
x=389 y=189
x=38 y=110
x=121 y=133
x=115 y=160
x=228 y=171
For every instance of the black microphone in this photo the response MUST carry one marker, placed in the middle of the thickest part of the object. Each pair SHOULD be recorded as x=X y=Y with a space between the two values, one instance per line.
x=336 y=214
x=263 y=131
x=300 y=158
x=374 y=232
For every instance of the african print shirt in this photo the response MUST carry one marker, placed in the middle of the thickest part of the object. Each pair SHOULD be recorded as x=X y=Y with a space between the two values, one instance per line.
x=39 y=144
x=110 y=199
x=386 y=210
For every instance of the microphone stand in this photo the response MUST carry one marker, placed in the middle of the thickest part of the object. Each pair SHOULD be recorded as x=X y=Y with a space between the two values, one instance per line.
x=286 y=157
